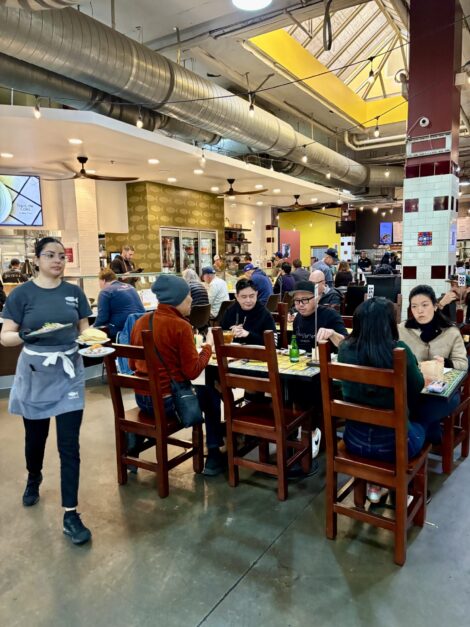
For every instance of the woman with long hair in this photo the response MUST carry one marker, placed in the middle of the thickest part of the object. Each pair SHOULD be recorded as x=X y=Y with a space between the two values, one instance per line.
x=46 y=315
x=343 y=276
x=371 y=343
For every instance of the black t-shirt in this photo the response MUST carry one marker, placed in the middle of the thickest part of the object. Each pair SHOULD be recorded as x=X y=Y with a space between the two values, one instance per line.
x=364 y=263
x=14 y=276
x=304 y=327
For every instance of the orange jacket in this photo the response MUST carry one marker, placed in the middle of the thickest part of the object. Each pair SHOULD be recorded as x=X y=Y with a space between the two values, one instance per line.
x=174 y=339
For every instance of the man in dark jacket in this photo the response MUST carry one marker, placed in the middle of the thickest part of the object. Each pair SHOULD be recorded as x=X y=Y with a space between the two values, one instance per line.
x=329 y=296
x=263 y=284
x=14 y=274
x=123 y=265
x=285 y=282
x=300 y=273
x=247 y=317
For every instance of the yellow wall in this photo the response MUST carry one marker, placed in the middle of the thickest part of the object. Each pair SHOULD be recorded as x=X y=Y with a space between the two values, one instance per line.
x=285 y=50
x=322 y=232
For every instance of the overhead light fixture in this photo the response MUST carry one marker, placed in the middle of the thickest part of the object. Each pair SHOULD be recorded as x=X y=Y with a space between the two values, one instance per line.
x=371 y=76
x=328 y=175
x=172 y=179
x=277 y=217
x=198 y=171
x=140 y=122
x=383 y=213
x=259 y=203
x=75 y=142
x=377 y=129
x=215 y=188
x=258 y=186
x=375 y=209
x=276 y=190
x=387 y=173
x=37 y=109
x=251 y=5
x=251 y=108
x=464 y=183
x=361 y=208
x=339 y=201
x=313 y=199
x=271 y=166
x=390 y=211
x=153 y=161
x=323 y=208
x=310 y=224
x=6 y=155
x=305 y=157
x=202 y=160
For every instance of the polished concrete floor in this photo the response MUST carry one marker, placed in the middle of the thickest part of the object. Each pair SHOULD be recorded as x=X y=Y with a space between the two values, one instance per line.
x=212 y=555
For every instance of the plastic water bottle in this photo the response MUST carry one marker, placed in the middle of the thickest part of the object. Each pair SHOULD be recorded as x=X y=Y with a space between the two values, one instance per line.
x=294 y=350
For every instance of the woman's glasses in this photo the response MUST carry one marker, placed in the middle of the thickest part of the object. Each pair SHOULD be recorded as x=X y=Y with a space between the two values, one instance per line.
x=50 y=256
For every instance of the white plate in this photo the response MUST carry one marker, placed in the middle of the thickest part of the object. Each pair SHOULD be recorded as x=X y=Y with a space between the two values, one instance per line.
x=285 y=351
x=52 y=330
x=105 y=350
x=92 y=343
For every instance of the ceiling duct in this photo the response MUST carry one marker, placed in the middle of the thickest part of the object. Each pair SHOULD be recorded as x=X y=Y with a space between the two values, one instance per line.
x=70 y=43
x=37 y=5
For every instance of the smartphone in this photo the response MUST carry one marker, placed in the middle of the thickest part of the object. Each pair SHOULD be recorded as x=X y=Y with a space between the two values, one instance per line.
x=437 y=386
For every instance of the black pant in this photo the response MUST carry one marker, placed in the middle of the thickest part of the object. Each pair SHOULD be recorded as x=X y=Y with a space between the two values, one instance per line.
x=68 y=430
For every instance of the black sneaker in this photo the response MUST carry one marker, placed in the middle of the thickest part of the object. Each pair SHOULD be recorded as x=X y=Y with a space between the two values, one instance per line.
x=31 y=493
x=216 y=463
x=75 y=529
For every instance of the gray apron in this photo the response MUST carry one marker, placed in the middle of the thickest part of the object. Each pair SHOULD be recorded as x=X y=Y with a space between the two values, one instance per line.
x=49 y=380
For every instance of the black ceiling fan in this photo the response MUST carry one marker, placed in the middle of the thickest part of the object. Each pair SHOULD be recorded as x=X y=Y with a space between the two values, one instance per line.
x=230 y=193
x=296 y=205
x=83 y=174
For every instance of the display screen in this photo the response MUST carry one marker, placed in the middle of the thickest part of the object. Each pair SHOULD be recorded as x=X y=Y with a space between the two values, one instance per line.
x=346 y=227
x=386 y=233
x=20 y=201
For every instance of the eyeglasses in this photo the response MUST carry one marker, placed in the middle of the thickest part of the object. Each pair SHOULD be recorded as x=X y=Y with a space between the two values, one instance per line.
x=50 y=255
x=303 y=301
x=318 y=282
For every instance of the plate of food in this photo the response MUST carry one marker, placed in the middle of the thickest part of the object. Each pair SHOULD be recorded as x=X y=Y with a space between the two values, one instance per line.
x=96 y=350
x=50 y=327
x=92 y=336
x=285 y=351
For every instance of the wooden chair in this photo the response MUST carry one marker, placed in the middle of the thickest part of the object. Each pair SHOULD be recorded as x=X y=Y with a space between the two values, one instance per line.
x=199 y=316
x=288 y=297
x=266 y=422
x=280 y=316
x=272 y=302
x=396 y=476
x=157 y=426
x=347 y=321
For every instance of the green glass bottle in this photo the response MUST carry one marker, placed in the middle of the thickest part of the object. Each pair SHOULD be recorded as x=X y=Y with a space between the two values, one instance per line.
x=294 y=350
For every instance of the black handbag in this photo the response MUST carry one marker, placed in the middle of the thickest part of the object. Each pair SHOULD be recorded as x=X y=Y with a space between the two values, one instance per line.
x=184 y=395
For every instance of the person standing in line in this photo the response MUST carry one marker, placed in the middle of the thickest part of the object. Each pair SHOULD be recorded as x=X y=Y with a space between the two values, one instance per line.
x=344 y=275
x=122 y=265
x=285 y=282
x=115 y=302
x=14 y=274
x=50 y=377
x=300 y=273
x=263 y=284
x=364 y=263
x=218 y=291
x=329 y=259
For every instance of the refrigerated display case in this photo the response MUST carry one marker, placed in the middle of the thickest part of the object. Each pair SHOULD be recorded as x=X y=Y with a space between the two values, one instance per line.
x=185 y=248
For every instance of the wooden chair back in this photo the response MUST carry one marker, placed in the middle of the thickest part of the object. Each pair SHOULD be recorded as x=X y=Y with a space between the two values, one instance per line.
x=199 y=316
x=280 y=316
x=272 y=302
x=9 y=287
x=220 y=316
x=397 y=475
x=288 y=297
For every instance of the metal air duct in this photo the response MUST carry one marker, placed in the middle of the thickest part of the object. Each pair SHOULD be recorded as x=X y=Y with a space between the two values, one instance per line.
x=70 y=43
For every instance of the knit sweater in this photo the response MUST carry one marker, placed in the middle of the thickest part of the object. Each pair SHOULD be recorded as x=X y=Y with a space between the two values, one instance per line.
x=174 y=338
x=448 y=344
x=256 y=321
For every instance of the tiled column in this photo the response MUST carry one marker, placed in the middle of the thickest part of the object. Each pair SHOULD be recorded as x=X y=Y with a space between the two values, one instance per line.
x=429 y=232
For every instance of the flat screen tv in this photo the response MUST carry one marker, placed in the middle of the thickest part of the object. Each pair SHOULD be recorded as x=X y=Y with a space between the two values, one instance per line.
x=386 y=233
x=20 y=201
x=346 y=227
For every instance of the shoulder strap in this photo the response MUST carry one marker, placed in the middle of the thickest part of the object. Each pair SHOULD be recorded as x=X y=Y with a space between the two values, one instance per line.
x=155 y=346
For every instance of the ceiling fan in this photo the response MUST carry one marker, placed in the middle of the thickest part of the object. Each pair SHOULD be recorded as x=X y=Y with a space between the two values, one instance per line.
x=230 y=193
x=296 y=205
x=82 y=174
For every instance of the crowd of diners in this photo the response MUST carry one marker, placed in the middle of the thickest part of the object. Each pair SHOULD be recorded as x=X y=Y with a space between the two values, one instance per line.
x=49 y=380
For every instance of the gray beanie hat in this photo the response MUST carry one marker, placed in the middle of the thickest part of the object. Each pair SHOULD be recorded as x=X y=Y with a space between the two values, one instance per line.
x=170 y=289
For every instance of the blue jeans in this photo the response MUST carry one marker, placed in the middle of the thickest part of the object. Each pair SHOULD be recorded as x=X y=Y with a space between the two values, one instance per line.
x=379 y=442
x=209 y=402
x=431 y=410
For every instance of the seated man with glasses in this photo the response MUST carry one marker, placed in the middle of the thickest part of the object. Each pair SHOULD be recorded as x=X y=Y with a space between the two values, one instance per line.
x=328 y=295
x=326 y=323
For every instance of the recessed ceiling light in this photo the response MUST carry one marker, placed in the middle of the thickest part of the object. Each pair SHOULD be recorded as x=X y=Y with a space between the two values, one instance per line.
x=6 y=155
x=153 y=161
x=259 y=203
x=75 y=142
x=251 y=5
x=313 y=199
x=375 y=209
x=215 y=188
x=258 y=186
x=198 y=171
x=171 y=179
x=277 y=190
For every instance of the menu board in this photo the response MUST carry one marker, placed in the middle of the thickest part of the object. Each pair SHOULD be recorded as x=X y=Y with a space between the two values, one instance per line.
x=463 y=228
x=20 y=201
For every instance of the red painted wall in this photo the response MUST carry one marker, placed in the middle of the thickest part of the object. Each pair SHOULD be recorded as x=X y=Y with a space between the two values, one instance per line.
x=292 y=238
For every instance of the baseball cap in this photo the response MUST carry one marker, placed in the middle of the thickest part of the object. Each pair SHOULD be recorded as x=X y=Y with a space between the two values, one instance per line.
x=332 y=252
x=249 y=266
x=279 y=255
x=305 y=286
x=455 y=278
x=208 y=270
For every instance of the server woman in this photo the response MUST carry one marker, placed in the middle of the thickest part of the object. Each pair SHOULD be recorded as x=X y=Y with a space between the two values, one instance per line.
x=49 y=379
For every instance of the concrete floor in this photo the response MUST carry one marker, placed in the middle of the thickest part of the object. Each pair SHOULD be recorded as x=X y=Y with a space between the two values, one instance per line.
x=212 y=555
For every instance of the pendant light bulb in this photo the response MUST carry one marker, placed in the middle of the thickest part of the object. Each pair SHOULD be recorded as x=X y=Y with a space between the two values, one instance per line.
x=304 y=157
x=37 y=109
x=140 y=122
x=328 y=175
x=371 y=77
x=377 y=129
x=387 y=173
x=202 y=160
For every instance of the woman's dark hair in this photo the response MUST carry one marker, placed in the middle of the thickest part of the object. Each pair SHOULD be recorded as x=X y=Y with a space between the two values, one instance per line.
x=236 y=260
x=286 y=267
x=385 y=259
x=242 y=284
x=375 y=333
x=439 y=318
x=42 y=243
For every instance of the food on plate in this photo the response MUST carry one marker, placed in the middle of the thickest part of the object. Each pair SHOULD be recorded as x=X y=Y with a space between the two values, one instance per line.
x=97 y=349
x=93 y=336
x=47 y=327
